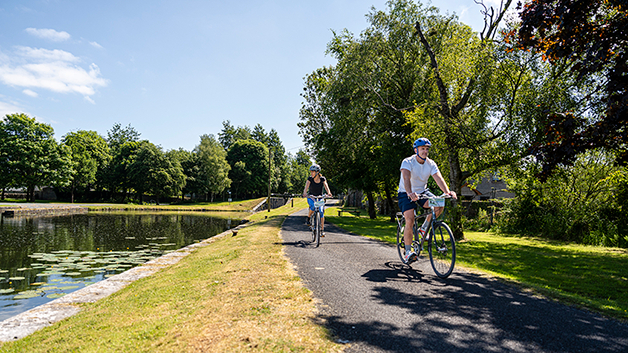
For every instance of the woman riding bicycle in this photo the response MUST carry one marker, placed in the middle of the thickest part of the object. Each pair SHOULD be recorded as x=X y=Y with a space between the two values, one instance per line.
x=415 y=172
x=314 y=184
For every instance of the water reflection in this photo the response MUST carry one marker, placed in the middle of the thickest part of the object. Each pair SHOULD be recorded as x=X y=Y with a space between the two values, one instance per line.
x=44 y=258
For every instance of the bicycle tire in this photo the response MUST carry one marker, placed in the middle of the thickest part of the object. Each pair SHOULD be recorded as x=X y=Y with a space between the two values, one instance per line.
x=442 y=249
x=318 y=229
x=401 y=248
x=313 y=227
x=401 y=245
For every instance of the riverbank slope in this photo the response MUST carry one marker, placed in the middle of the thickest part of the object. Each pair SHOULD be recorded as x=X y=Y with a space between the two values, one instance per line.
x=238 y=293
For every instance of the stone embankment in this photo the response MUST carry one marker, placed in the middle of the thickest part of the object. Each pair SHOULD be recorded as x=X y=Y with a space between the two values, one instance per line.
x=26 y=210
x=24 y=324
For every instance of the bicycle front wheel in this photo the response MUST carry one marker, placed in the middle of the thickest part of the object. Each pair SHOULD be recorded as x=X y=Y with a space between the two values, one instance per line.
x=313 y=227
x=317 y=228
x=442 y=249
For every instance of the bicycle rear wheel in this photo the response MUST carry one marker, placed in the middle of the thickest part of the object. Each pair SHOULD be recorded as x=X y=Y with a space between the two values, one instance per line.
x=317 y=228
x=401 y=246
x=442 y=249
x=401 y=249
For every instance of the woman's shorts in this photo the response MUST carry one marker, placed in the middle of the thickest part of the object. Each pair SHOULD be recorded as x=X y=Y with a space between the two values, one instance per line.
x=406 y=204
x=311 y=203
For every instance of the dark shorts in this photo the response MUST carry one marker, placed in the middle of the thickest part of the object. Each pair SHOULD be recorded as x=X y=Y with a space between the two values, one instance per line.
x=405 y=203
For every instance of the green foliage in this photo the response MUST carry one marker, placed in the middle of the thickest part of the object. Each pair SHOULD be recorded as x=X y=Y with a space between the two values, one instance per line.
x=298 y=171
x=249 y=167
x=118 y=136
x=584 y=203
x=211 y=160
x=230 y=134
x=89 y=153
x=30 y=155
x=589 y=38
x=151 y=170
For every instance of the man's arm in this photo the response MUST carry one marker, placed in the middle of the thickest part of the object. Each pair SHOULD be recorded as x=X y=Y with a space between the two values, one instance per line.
x=438 y=177
x=407 y=184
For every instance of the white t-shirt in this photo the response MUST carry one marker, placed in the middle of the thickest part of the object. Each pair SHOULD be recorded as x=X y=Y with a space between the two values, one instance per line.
x=419 y=173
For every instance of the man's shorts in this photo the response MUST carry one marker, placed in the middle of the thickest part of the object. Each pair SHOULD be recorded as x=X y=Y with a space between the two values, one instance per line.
x=406 y=204
x=311 y=203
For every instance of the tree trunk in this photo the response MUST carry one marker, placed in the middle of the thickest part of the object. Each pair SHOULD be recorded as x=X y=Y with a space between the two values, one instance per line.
x=455 y=183
x=30 y=190
x=369 y=196
x=389 y=200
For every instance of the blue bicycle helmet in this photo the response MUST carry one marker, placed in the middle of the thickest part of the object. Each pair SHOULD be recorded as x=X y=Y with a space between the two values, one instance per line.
x=421 y=142
x=315 y=168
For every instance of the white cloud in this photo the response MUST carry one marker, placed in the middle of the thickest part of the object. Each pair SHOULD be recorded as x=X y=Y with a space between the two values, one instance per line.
x=53 y=70
x=9 y=108
x=49 y=34
x=45 y=55
x=96 y=45
x=28 y=92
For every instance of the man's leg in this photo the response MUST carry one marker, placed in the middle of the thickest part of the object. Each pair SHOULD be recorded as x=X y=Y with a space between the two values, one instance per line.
x=407 y=232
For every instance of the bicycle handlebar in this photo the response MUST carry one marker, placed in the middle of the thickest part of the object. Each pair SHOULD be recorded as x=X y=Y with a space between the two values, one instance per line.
x=318 y=197
x=423 y=196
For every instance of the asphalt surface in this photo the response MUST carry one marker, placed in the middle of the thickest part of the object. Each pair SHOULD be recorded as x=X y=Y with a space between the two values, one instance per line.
x=373 y=303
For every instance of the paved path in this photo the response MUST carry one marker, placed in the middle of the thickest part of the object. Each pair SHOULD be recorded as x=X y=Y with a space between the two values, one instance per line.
x=369 y=299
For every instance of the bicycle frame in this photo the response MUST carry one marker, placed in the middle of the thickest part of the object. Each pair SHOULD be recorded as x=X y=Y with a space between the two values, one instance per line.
x=417 y=217
x=440 y=241
x=315 y=219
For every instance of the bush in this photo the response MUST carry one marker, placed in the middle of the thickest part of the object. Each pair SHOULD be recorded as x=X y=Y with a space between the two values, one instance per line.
x=586 y=203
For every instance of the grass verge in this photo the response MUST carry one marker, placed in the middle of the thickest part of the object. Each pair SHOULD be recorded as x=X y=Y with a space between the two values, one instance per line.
x=244 y=205
x=237 y=294
x=591 y=277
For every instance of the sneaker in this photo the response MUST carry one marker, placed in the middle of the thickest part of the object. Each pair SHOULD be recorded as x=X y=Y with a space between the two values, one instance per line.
x=410 y=257
x=322 y=234
x=307 y=221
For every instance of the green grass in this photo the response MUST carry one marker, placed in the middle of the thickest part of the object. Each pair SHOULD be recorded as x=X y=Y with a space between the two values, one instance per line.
x=592 y=277
x=238 y=294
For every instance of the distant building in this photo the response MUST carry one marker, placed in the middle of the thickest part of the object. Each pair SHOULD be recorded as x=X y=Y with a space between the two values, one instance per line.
x=489 y=188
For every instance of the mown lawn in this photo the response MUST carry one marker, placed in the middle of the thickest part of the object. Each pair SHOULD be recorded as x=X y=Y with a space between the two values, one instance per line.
x=592 y=277
x=237 y=294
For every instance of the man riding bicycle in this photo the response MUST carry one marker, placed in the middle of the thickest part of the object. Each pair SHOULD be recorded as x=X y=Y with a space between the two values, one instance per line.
x=415 y=172
x=315 y=184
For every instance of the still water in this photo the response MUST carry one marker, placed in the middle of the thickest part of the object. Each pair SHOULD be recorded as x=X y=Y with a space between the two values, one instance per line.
x=45 y=258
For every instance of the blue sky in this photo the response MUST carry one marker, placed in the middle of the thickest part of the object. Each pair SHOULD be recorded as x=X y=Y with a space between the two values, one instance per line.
x=174 y=70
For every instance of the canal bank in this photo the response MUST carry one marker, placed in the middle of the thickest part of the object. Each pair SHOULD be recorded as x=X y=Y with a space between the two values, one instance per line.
x=39 y=209
x=238 y=293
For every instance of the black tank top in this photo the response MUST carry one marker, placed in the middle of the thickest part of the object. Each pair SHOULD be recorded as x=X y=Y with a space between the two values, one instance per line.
x=316 y=189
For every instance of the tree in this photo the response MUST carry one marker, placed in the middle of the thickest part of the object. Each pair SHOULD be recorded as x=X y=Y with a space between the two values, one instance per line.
x=589 y=36
x=297 y=171
x=113 y=175
x=118 y=135
x=89 y=153
x=213 y=166
x=249 y=167
x=31 y=154
x=151 y=171
x=230 y=134
x=414 y=73
x=116 y=174
x=190 y=168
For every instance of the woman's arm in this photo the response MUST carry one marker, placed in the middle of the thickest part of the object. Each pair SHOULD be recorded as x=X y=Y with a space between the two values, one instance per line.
x=327 y=188
x=307 y=185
